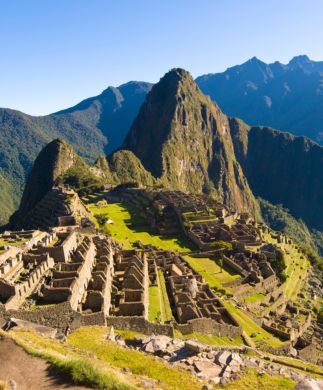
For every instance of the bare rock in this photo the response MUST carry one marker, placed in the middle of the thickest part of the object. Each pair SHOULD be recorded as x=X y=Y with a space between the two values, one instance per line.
x=223 y=358
x=12 y=384
x=309 y=384
x=207 y=369
x=194 y=346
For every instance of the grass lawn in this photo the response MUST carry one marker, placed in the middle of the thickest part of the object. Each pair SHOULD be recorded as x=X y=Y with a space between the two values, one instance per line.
x=166 y=312
x=255 y=298
x=93 y=339
x=211 y=271
x=295 y=267
x=250 y=326
x=129 y=227
x=252 y=380
x=159 y=308
x=154 y=311
x=16 y=243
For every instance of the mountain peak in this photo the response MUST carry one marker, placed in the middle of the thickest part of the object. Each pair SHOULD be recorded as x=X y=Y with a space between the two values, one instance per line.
x=300 y=59
x=53 y=160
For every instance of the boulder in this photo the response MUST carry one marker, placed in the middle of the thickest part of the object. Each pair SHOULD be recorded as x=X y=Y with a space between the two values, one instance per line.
x=309 y=384
x=223 y=358
x=157 y=344
x=194 y=346
x=207 y=369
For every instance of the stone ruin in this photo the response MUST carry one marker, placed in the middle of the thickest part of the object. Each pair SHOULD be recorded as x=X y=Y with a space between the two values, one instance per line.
x=90 y=279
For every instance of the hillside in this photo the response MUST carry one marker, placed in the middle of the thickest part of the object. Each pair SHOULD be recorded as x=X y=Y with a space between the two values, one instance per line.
x=287 y=97
x=93 y=126
x=282 y=169
x=184 y=139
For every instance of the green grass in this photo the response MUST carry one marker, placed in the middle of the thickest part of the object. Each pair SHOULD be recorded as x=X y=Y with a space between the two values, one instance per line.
x=154 y=309
x=295 y=267
x=252 y=380
x=129 y=227
x=93 y=339
x=250 y=326
x=166 y=311
x=211 y=271
x=255 y=298
x=210 y=339
x=16 y=243
x=76 y=365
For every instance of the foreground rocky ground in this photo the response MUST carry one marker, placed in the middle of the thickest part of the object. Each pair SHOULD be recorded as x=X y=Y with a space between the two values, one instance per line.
x=211 y=364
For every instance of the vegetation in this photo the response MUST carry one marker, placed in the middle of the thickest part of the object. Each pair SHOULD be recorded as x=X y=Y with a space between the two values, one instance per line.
x=81 y=179
x=280 y=219
x=4 y=385
x=253 y=380
x=129 y=227
x=221 y=245
x=254 y=298
x=166 y=312
x=212 y=271
x=251 y=327
x=315 y=260
x=154 y=309
x=79 y=368
x=93 y=340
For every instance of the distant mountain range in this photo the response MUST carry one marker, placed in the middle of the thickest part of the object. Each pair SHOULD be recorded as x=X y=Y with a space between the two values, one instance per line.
x=181 y=140
x=288 y=97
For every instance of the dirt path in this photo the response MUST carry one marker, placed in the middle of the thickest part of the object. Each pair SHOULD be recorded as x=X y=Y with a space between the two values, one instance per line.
x=30 y=373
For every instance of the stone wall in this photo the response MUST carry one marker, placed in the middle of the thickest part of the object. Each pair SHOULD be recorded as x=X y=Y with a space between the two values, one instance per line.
x=98 y=318
x=209 y=326
x=141 y=325
x=56 y=316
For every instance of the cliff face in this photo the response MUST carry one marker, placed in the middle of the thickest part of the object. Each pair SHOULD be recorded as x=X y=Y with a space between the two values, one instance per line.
x=55 y=159
x=283 y=169
x=184 y=139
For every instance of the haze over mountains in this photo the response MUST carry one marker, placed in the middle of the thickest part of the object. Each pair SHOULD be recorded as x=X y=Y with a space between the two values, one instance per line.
x=275 y=166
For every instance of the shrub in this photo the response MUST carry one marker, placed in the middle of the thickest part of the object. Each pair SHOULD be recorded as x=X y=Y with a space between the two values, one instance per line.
x=221 y=245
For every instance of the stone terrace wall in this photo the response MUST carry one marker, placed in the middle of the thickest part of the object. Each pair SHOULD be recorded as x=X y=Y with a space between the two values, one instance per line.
x=141 y=325
x=209 y=326
x=98 y=318
x=57 y=316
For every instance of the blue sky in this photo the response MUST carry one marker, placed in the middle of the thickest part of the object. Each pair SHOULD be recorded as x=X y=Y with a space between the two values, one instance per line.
x=55 y=53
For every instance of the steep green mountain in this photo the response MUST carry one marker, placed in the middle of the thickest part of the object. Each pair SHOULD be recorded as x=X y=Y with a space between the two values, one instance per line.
x=58 y=165
x=282 y=169
x=93 y=126
x=184 y=139
x=53 y=161
x=126 y=167
x=279 y=219
x=287 y=97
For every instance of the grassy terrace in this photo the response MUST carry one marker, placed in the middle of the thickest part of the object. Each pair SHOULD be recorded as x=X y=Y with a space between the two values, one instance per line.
x=159 y=307
x=254 y=298
x=211 y=271
x=252 y=380
x=129 y=227
x=249 y=326
x=296 y=267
